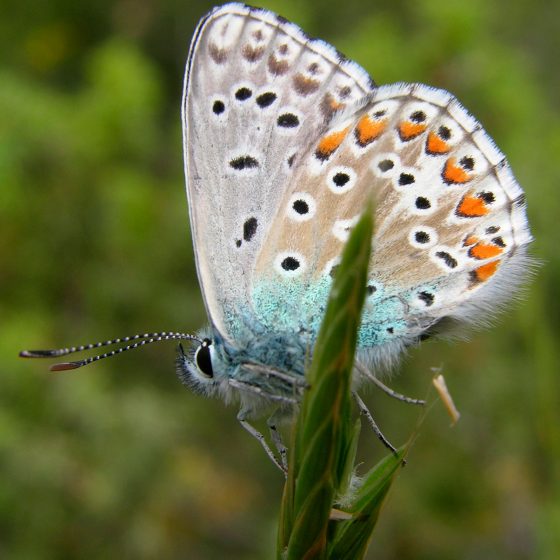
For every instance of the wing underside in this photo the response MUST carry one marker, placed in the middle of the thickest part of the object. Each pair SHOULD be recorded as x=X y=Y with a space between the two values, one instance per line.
x=451 y=228
x=257 y=92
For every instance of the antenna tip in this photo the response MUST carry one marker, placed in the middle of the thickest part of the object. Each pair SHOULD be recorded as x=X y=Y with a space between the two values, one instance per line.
x=38 y=353
x=64 y=366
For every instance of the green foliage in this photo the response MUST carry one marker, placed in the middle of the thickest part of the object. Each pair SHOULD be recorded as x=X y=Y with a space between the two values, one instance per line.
x=119 y=459
x=351 y=537
x=322 y=458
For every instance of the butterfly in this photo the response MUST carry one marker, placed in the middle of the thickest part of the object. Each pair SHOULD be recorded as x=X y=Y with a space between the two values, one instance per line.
x=284 y=142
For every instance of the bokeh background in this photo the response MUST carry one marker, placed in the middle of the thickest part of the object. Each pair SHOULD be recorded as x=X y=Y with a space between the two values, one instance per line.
x=119 y=460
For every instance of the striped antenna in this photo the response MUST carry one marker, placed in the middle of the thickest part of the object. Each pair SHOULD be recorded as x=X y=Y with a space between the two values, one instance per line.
x=141 y=340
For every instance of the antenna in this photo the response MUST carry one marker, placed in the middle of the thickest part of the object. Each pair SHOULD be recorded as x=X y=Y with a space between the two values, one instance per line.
x=141 y=340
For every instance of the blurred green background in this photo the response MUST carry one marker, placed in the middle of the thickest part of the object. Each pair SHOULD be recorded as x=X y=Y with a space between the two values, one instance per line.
x=119 y=460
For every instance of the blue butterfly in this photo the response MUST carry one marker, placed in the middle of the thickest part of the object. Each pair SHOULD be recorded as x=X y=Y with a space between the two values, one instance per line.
x=284 y=142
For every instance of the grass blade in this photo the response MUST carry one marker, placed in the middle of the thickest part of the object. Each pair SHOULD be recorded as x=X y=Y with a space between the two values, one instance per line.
x=352 y=537
x=324 y=431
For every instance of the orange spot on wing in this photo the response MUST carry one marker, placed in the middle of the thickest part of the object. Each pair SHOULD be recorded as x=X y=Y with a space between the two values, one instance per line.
x=435 y=145
x=453 y=173
x=470 y=240
x=367 y=129
x=328 y=144
x=471 y=207
x=483 y=251
x=485 y=271
x=329 y=105
x=409 y=130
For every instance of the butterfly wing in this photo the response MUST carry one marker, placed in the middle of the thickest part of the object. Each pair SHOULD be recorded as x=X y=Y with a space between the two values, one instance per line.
x=450 y=220
x=257 y=92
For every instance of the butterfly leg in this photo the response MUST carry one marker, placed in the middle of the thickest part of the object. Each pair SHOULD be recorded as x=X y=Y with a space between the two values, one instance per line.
x=403 y=398
x=296 y=382
x=365 y=411
x=277 y=439
x=241 y=416
x=261 y=392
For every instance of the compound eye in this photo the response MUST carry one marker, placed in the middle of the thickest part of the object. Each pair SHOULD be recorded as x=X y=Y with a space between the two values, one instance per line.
x=203 y=358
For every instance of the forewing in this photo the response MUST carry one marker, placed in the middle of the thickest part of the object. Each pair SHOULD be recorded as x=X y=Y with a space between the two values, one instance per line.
x=257 y=93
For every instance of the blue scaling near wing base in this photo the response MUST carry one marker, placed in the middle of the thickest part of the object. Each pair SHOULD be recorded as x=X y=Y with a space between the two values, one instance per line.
x=258 y=345
x=292 y=306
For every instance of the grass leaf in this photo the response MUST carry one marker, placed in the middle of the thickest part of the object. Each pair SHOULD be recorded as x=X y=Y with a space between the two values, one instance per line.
x=325 y=435
x=352 y=537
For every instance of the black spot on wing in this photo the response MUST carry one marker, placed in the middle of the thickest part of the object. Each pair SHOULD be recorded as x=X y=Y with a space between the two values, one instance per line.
x=426 y=297
x=422 y=203
x=340 y=179
x=418 y=116
x=290 y=264
x=406 y=179
x=300 y=206
x=444 y=133
x=266 y=99
x=243 y=162
x=467 y=163
x=422 y=237
x=288 y=120
x=385 y=165
x=243 y=93
x=447 y=259
x=250 y=228
x=487 y=197
x=218 y=107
